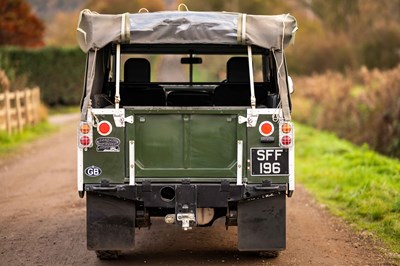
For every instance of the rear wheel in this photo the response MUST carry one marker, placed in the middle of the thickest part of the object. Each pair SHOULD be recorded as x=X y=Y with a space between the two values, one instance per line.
x=108 y=254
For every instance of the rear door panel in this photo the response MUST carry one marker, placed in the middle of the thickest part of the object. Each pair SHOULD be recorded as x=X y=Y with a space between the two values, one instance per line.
x=184 y=143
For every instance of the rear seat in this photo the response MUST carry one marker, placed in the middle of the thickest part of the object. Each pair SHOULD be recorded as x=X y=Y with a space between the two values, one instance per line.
x=236 y=91
x=136 y=89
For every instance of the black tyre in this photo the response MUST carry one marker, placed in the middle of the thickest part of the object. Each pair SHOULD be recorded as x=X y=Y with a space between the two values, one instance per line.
x=269 y=254
x=107 y=254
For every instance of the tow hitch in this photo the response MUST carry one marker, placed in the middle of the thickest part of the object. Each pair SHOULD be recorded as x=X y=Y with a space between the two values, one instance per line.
x=186 y=218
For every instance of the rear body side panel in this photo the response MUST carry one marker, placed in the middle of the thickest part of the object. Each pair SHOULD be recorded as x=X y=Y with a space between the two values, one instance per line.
x=107 y=154
x=254 y=141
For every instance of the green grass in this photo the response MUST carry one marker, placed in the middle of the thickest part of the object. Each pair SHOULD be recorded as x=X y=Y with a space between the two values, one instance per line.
x=10 y=143
x=63 y=110
x=355 y=183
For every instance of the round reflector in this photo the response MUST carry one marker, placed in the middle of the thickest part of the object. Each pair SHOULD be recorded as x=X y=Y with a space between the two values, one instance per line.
x=286 y=141
x=104 y=128
x=85 y=128
x=85 y=141
x=266 y=128
x=286 y=128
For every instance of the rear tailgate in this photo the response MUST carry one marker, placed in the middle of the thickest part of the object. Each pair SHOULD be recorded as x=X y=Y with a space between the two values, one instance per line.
x=171 y=144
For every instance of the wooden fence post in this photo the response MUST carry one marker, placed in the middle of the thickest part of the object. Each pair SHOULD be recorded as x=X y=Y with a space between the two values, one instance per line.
x=2 y=112
x=36 y=103
x=8 y=111
x=20 y=123
x=28 y=115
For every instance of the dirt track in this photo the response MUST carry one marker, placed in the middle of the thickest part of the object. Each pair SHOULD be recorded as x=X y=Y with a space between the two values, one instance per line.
x=42 y=222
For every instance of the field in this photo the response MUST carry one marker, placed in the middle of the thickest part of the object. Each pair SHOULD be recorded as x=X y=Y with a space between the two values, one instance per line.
x=354 y=183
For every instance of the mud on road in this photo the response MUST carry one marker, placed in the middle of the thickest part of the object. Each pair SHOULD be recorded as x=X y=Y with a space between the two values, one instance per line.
x=42 y=222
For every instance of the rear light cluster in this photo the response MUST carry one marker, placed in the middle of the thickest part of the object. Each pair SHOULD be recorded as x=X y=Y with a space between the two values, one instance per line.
x=286 y=134
x=85 y=135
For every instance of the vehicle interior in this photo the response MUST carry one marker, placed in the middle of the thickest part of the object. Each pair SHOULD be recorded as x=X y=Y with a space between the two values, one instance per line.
x=215 y=76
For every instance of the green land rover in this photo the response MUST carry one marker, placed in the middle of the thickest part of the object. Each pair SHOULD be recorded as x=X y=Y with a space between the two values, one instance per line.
x=187 y=116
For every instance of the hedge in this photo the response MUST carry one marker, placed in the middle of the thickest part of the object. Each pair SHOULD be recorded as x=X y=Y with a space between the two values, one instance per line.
x=58 y=72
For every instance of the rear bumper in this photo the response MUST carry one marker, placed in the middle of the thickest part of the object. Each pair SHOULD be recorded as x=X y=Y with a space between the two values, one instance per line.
x=200 y=194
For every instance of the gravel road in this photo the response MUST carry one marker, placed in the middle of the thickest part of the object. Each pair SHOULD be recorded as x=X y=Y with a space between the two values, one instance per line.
x=42 y=222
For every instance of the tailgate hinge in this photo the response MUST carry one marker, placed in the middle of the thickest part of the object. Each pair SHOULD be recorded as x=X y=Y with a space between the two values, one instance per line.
x=251 y=119
x=120 y=120
x=129 y=119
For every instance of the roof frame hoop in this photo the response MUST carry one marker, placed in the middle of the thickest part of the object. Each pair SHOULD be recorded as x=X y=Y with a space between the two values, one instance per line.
x=143 y=9
x=184 y=6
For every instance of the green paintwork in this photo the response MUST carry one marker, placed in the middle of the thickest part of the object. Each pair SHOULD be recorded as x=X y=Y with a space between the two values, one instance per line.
x=254 y=140
x=176 y=143
x=185 y=143
x=111 y=163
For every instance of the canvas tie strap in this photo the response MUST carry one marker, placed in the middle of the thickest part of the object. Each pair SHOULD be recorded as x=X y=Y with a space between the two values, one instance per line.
x=89 y=82
x=125 y=28
x=241 y=31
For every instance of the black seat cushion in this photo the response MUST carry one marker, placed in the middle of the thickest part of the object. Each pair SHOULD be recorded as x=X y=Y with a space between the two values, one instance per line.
x=237 y=70
x=236 y=91
x=136 y=89
x=133 y=95
x=239 y=95
x=137 y=70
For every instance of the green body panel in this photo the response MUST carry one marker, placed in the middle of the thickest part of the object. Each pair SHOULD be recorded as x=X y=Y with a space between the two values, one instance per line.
x=172 y=144
x=112 y=164
x=254 y=141
x=185 y=143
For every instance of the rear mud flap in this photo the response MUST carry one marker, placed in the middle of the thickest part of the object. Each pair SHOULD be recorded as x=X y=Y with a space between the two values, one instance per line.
x=262 y=224
x=110 y=223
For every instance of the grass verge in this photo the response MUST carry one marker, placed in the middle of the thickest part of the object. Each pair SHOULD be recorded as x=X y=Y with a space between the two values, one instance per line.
x=9 y=143
x=355 y=183
x=63 y=110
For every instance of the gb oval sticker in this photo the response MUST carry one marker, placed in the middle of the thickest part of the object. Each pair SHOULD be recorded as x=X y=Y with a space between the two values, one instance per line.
x=92 y=171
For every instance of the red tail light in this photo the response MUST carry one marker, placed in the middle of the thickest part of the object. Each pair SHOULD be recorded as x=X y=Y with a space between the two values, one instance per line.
x=286 y=141
x=85 y=135
x=286 y=134
x=84 y=140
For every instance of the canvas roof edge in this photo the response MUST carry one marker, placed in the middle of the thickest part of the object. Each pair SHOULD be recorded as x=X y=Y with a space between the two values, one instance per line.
x=168 y=27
